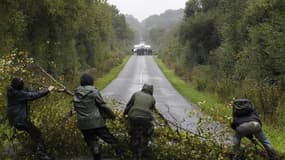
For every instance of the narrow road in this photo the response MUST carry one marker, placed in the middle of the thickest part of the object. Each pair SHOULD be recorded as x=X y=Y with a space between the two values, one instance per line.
x=143 y=69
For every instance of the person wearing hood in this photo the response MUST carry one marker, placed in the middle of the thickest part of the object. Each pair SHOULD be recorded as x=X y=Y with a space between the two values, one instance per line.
x=91 y=108
x=247 y=123
x=139 y=111
x=18 y=112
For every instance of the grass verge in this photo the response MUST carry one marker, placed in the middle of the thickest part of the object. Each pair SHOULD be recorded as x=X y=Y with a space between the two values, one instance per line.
x=102 y=82
x=210 y=104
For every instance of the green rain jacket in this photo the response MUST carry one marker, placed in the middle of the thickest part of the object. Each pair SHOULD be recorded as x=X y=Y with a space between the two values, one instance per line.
x=89 y=106
x=141 y=104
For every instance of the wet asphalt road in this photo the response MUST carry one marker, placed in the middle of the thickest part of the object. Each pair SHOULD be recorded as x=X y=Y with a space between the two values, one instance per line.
x=173 y=106
x=143 y=69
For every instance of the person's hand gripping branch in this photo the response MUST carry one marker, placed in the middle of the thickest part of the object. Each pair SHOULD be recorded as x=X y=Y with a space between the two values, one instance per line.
x=51 y=88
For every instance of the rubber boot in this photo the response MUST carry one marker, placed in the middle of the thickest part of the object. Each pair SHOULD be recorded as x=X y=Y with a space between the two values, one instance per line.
x=136 y=157
x=272 y=155
x=41 y=153
x=95 y=150
x=119 y=153
x=97 y=156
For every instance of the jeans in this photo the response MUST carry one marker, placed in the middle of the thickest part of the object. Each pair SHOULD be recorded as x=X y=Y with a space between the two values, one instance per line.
x=253 y=128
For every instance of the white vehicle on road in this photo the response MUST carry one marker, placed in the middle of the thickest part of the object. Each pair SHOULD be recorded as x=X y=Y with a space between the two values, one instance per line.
x=142 y=49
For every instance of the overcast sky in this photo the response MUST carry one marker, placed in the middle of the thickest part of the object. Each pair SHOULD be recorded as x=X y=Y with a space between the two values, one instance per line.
x=141 y=9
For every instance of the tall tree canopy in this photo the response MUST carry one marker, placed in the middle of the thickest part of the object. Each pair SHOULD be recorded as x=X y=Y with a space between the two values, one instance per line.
x=63 y=36
x=228 y=46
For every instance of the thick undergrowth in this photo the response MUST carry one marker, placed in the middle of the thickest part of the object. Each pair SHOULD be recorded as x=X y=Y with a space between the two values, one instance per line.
x=53 y=115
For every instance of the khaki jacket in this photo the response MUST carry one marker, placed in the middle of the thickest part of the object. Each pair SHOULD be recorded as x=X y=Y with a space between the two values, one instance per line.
x=89 y=104
x=141 y=104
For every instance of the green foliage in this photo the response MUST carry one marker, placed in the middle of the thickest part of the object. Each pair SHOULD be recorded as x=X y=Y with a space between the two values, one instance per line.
x=52 y=115
x=233 y=49
x=246 y=60
x=166 y=20
x=64 y=37
x=64 y=140
x=155 y=35
x=207 y=102
x=102 y=82
x=199 y=77
x=222 y=111
x=200 y=36
x=156 y=28
x=122 y=31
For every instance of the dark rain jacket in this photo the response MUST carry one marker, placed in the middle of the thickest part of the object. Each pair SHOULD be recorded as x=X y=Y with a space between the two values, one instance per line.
x=141 y=104
x=18 y=111
x=250 y=115
x=89 y=106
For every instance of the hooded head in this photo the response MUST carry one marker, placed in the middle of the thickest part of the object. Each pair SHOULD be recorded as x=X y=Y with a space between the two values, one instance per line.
x=86 y=80
x=242 y=107
x=242 y=103
x=147 y=88
x=17 y=83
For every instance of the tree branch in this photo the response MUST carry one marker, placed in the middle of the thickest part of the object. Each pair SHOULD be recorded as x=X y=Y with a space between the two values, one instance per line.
x=54 y=80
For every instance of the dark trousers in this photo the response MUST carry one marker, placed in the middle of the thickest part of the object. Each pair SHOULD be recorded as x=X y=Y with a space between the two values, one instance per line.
x=91 y=138
x=32 y=130
x=140 y=131
x=35 y=135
